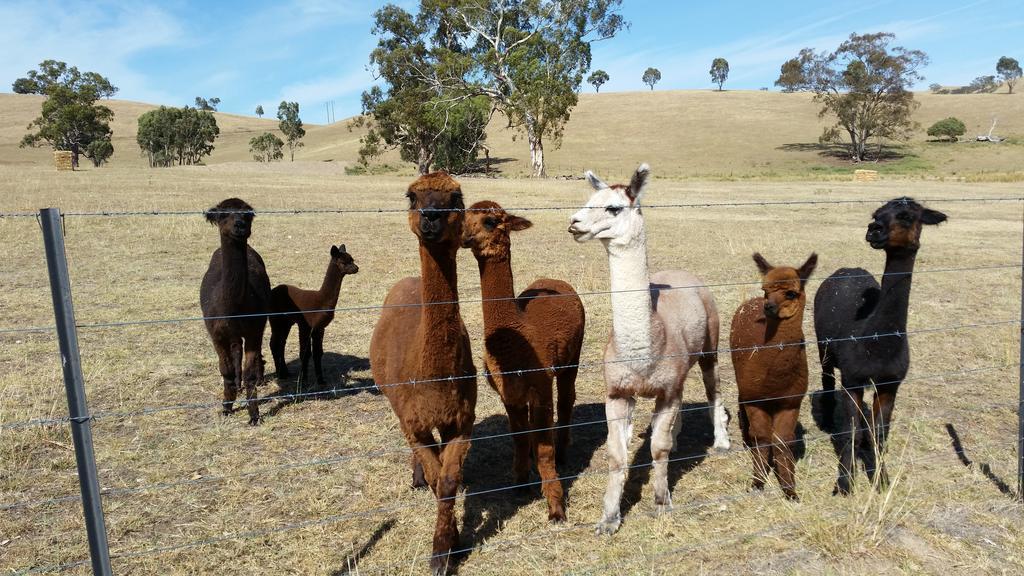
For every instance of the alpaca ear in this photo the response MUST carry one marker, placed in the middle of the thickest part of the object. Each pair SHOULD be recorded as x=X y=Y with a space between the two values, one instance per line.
x=807 y=269
x=595 y=182
x=762 y=264
x=638 y=183
x=334 y=251
x=342 y=248
x=515 y=223
x=929 y=216
x=212 y=215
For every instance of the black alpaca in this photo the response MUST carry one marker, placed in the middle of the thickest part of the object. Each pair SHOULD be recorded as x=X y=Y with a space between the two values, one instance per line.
x=850 y=303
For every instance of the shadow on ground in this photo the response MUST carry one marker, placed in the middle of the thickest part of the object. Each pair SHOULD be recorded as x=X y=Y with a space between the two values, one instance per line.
x=841 y=152
x=338 y=370
x=961 y=454
x=351 y=561
x=489 y=467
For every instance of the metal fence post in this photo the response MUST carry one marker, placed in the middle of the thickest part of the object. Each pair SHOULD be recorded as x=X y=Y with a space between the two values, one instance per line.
x=1020 y=392
x=74 y=384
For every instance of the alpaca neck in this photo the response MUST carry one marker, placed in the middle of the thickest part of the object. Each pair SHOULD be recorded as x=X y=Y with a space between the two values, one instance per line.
x=784 y=331
x=496 y=287
x=440 y=324
x=632 y=325
x=235 y=282
x=331 y=286
x=891 y=313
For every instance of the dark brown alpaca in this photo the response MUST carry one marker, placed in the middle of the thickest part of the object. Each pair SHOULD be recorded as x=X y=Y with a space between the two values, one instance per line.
x=771 y=369
x=236 y=284
x=312 y=310
x=421 y=358
x=542 y=327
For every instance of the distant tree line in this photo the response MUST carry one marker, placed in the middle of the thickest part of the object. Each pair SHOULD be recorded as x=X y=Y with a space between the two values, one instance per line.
x=176 y=136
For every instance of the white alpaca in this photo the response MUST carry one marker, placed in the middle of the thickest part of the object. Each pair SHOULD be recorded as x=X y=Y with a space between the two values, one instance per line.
x=658 y=334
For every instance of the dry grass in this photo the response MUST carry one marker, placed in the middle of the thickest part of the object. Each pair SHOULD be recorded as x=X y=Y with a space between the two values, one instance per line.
x=938 y=516
x=688 y=134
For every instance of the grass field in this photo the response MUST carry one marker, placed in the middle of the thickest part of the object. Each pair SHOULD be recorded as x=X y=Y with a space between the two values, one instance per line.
x=235 y=499
x=688 y=134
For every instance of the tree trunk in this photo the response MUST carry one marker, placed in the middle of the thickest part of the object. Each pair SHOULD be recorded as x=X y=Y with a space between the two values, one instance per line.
x=537 y=155
x=424 y=160
x=74 y=156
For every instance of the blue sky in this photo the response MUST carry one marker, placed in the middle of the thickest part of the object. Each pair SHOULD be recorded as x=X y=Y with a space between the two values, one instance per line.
x=315 y=51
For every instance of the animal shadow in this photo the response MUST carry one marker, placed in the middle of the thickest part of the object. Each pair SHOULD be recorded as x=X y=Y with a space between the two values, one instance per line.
x=961 y=454
x=337 y=372
x=696 y=435
x=351 y=561
x=488 y=468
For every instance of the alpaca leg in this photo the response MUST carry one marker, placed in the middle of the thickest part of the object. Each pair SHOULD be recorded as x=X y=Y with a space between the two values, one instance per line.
x=280 y=326
x=784 y=428
x=446 y=531
x=828 y=386
x=305 y=351
x=518 y=424
x=543 y=438
x=881 y=417
x=760 y=440
x=236 y=365
x=566 y=402
x=619 y=412
x=666 y=412
x=251 y=373
x=712 y=386
x=228 y=375
x=318 y=356
x=426 y=463
x=848 y=434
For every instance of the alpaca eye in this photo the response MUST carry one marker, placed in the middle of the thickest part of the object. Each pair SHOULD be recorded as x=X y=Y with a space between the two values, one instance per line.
x=489 y=223
x=791 y=295
x=614 y=210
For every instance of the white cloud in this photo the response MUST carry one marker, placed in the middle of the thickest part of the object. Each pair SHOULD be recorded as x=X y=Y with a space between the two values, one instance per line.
x=98 y=36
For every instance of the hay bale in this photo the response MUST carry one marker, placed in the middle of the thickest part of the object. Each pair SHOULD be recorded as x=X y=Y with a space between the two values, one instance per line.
x=865 y=175
x=62 y=160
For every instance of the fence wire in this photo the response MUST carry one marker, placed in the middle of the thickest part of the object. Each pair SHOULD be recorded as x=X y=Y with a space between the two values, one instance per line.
x=335 y=460
x=328 y=520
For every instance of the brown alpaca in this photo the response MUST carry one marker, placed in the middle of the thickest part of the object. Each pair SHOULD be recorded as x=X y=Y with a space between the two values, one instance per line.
x=421 y=358
x=312 y=310
x=542 y=327
x=236 y=284
x=771 y=369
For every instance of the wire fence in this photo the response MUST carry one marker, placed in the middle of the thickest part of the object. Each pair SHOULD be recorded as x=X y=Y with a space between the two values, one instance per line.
x=482 y=439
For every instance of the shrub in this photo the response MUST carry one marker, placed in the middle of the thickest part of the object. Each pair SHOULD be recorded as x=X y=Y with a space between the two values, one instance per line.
x=951 y=128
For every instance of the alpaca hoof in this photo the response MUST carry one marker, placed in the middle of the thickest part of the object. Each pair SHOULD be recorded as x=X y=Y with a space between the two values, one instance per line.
x=608 y=526
x=662 y=509
x=841 y=489
x=720 y=446
x=757 y=486
x=255 y=421
x=791 y=496
x=556 y=516
x=226 y=411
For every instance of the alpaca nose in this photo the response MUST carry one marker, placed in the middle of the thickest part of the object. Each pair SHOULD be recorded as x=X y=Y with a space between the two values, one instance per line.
x=771 y=309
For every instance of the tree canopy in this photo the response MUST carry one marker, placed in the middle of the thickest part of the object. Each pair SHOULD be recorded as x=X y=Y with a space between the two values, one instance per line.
x=865 y=84
x=209 y=105
x=291 y=125
x=598 y=78
x=527 y=58
x=951 y=128
x=259 y=111
x=266 y=147
x=1009 y=70
x=70 y=118
x=719 y=71
x=651 y=77
x=169 y=136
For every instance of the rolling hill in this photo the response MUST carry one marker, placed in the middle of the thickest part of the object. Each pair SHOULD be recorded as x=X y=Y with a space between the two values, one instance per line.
x=690 y=133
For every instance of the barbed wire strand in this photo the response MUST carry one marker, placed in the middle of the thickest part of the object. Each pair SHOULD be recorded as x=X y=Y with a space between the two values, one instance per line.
x=375 y=307
x=519 y=372
x=382 y=510
x=380 y=210
x=334 y=460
